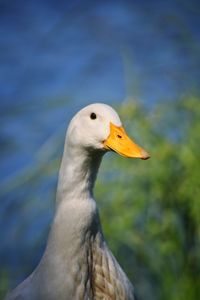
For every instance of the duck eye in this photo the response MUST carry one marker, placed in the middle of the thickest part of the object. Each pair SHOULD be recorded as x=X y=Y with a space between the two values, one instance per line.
x=93 y=116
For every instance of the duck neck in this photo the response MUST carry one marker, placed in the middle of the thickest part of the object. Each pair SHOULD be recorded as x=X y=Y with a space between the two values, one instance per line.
x=75 y=223
x=77 y=174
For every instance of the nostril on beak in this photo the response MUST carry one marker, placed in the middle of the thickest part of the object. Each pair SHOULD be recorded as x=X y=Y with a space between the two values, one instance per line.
x=119 y=136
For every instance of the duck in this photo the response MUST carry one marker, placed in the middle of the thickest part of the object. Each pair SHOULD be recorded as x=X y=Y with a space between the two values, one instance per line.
x=77 y=262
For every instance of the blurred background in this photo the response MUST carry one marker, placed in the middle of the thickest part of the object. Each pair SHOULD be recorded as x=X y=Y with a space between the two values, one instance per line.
x=142 y=57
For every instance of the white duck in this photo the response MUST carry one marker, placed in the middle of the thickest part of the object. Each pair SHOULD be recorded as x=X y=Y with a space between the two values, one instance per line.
x=77 y=263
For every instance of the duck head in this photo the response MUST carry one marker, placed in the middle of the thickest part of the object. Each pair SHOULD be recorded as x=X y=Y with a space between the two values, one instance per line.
x=98 y=127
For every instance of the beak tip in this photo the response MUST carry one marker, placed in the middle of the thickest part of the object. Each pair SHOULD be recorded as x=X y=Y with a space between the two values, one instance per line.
x=144 y=155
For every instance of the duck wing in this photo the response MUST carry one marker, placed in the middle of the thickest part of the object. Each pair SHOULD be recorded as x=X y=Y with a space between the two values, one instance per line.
x=108 y=279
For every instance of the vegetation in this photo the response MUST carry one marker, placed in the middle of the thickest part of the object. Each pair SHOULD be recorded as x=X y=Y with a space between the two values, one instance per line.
x=151 y=209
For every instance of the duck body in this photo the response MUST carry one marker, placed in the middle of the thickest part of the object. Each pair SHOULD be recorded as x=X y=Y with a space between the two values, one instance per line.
x=77 y=263
x=86 y=270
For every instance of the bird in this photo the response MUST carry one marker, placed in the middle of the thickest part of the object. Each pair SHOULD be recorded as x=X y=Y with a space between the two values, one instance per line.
x=77 y=263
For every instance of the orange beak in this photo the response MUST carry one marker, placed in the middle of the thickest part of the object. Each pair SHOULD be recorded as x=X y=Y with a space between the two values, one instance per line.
x=119 y=142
